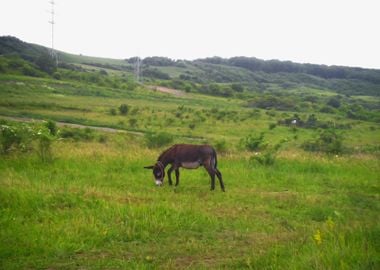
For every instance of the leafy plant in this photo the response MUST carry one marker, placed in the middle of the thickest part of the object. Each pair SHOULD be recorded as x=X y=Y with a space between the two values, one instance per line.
x=268 y=157
x=328 y=142
x=123 y=109
x=253 y=142
x=158 y=139
x=221 y=145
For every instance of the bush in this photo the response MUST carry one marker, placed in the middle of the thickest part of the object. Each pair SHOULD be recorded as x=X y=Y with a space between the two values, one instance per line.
x=328 y=142
x=123 y=109
x=221 y=145
x=78 y=134
x=52 y=127
x=8 y=138
x=272 y=126
x=158 y=139
x=45 y=139
x=253 y=142
x=268 y=158
x=21 y=137
x=113 y=111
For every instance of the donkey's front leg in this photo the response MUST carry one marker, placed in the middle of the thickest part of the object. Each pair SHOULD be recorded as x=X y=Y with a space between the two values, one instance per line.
x=170 y=175
x=176 y=177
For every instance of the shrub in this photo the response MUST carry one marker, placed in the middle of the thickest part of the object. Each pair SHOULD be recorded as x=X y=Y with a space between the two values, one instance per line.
x=45 y=140
x=272 y=126
x=52 y=127
x=113 y=111
x=328 y=142
x=133 y=122
x=253 y=142
x=123 y=109
x=8 y=138
x=78 y=134
x=158 y=139
x=20 y=137
x=221 y=145
x=267 y=158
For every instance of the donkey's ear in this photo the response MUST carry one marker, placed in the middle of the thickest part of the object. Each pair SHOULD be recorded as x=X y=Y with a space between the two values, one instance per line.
x=149 y=167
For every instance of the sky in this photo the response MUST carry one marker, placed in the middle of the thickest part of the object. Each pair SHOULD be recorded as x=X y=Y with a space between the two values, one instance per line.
x=331 y=32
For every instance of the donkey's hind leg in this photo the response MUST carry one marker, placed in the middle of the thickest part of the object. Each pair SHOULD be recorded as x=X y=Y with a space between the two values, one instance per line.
x=176 y=177
x=211 y=172
x=219 y=175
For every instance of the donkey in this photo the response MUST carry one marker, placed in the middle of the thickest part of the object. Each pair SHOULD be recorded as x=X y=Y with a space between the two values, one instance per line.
x=187 y=156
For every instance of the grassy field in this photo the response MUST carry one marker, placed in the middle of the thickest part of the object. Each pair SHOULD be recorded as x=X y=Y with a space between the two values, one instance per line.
x=93 y=206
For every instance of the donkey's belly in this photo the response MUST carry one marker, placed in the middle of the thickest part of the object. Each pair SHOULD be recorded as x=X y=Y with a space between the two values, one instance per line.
x=190 y=165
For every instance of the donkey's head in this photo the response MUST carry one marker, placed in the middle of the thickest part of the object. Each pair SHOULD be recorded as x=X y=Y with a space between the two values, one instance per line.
x=158 y=172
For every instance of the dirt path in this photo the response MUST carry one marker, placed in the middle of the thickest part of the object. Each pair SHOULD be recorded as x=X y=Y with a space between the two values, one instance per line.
x=64 y=124
x=172 y=91
x=104 y=129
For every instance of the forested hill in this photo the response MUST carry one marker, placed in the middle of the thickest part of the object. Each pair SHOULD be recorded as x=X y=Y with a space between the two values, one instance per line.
x=215 y=75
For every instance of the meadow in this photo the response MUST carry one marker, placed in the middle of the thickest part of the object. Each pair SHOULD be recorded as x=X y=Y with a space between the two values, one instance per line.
x=91 y=205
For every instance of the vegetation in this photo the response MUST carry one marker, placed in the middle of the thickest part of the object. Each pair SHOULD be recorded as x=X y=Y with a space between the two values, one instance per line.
x=298 y=152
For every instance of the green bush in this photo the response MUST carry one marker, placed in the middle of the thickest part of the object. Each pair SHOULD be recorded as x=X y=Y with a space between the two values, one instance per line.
x=52 y=127
x=45 y=139
x=253 y=142
x=267 y=158
x=20 y=137
x=123 y=109
x=221 y=145
x=78 y=134
x=8 y=138
x=158 y=139
x=328 y=142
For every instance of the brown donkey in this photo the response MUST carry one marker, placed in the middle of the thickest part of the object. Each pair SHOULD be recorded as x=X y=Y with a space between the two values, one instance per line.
x=186 y=156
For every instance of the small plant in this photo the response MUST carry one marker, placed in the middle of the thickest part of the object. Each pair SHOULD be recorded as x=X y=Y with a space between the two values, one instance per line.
x=8 y=138
x=253 y=142
x=268 y=158
x=52 y=127
x=328 y=142
x=113 y=111
x=45 y=139
x=133 y=122
x=158 y=139
x=272 y=126
x=221 y=145
x=123 y=109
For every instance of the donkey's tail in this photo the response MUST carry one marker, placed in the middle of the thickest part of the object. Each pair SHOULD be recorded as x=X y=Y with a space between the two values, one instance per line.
x=215 y=159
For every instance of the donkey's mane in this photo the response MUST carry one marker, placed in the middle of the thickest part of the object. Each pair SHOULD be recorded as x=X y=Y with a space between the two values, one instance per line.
x=165 y=152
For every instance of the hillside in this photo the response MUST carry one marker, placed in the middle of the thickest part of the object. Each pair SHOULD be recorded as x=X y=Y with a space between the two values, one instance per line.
x=245 y=73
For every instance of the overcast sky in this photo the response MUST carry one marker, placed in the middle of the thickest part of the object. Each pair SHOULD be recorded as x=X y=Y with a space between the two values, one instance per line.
x=332 y=32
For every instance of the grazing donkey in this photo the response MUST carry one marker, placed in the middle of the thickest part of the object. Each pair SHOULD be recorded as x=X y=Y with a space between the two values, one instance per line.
x=187 y=156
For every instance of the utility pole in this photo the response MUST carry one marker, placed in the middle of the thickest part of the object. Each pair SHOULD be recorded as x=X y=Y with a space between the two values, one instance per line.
x=138 y=73
x=52 y=22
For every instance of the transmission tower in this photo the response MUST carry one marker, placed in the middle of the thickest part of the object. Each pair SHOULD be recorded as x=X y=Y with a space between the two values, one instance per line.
x=52 y=22
x=138 y=73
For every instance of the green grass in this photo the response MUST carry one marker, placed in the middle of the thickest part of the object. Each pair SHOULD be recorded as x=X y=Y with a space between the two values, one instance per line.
x=95 y=206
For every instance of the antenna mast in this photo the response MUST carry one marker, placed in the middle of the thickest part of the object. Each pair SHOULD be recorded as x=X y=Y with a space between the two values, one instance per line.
x=138 y=73
x=52 y=22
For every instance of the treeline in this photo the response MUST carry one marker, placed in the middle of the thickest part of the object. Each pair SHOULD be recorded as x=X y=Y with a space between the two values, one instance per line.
x=276 y=66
